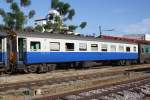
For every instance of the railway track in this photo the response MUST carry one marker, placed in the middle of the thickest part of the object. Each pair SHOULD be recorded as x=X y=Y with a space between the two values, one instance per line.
x=30 y=84
x=136 y=89
x=6 y=88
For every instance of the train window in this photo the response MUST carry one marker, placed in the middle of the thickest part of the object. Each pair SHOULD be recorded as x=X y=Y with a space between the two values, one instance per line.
x=134 y=49
x=34 y=46
x=113 y=48
x=128 y=49
x=147 y=50
x=82 y=47
x=104 y=47
x=54 y=46
x=94 y=47
x=69 y=46
x=121 y=49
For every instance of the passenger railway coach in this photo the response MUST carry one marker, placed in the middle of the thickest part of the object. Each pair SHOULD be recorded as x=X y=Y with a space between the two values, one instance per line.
x=39 y=52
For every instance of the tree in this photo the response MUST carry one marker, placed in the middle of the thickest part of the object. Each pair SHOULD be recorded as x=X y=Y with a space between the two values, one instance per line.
x=72 y=28
x=38 y=28
x=64 y=9
x=15 y=19
x=29 y=29
x=66 y=13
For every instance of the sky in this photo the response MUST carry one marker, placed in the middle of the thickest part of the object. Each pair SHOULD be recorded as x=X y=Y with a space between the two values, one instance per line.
x=124 y=16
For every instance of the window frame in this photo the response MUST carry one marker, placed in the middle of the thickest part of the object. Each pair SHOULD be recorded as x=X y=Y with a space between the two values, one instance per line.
x=81 y=49
x=53 y=49
x=104 y=49
x=96 y=46
x=66 y=49
x=121 y=48
x=135 y=49
x=129 y=49
x=113 y=46
x=35 y=49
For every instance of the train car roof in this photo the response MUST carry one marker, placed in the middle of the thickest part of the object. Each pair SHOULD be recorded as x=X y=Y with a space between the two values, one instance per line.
x=76 y=37
x=126 y=39
x=81 y=37
x=66 y=36
x=51 y=35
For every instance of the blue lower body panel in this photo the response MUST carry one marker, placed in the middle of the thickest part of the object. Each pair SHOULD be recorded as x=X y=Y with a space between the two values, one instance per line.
x=49 y=57
x=3 y=57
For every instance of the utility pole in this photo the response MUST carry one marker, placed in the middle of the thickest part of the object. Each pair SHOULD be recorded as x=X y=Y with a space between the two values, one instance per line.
x=100 y=31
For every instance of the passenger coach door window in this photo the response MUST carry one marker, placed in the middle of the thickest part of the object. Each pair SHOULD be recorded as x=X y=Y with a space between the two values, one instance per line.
x=21 y=48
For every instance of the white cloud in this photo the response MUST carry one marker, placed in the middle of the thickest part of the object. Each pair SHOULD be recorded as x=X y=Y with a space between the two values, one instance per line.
x=137 y=28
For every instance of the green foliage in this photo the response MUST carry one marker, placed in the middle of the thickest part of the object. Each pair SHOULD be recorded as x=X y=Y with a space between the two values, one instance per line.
x=72 y=27
x=31 y=14
x=83 y=25
x=1 y=27
x=48 y=26
x=25 y=3
x=2 y=12
x=54 y=4
x=63 y=8
x=38 y=28
x=67 y=13
x=71 y=14
x=14 y=6
x=15 y=19
x=29 y=29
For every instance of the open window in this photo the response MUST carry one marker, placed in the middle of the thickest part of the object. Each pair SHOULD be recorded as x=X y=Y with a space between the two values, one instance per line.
x=104 y=47
x=94 y=47
x=69 y=46
x=128 y=49
x=35 y=46
x=82 y=47
x=54 y=46
x=134 y=49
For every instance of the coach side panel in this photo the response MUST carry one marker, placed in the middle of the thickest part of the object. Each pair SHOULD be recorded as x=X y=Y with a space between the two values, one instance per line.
x=45 y=50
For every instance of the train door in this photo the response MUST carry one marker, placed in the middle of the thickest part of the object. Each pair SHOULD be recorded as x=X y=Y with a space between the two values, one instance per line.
x=21 y=48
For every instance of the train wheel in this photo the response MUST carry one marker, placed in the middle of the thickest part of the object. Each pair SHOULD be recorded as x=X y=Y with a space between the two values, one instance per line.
x=10 y=70
x=122 y=62
x=84 y=64
x=25 y=70
x=51 y=67
x=32 y=68
x=128 y=62
x=76 y=65
x=134 y=62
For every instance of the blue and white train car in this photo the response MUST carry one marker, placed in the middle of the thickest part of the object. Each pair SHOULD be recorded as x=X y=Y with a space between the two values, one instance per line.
x=47 y=49
x=42 y=51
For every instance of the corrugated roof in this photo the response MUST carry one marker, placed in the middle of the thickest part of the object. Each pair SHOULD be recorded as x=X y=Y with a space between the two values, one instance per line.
x=125 y=39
